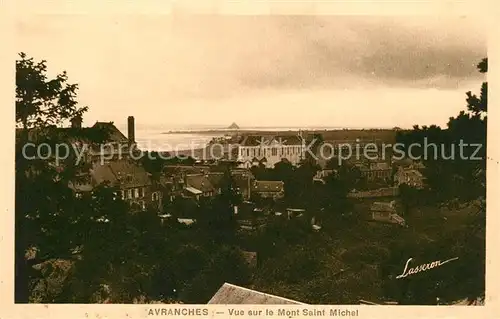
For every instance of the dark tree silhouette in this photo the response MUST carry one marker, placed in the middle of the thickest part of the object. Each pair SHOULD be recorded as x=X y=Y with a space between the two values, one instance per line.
x=455 y=171
x=40 y=102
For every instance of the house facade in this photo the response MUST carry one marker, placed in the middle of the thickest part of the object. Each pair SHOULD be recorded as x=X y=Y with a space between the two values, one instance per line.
x=202 y=185
x=197 y=181
x=133 y=182
x=380 y=192
x=268 y=189
x=269 y=150
x=105 y=151
x=374 y=171
x=101 y=143
x=386 y=212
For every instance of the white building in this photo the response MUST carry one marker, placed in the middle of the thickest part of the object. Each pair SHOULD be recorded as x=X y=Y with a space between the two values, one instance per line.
x=269 y=150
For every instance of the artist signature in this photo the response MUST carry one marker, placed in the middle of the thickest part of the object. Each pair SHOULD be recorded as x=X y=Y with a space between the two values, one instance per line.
x=424 y=267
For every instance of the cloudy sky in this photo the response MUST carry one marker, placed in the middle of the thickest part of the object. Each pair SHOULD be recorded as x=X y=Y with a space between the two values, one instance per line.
x=341 y=71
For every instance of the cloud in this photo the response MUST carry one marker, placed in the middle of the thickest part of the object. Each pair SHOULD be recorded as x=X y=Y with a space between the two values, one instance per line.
x=353 y=52
x=187 y=68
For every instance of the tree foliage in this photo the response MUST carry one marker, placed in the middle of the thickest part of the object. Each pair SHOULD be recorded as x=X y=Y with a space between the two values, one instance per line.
x=455 y=157
x=41 y=101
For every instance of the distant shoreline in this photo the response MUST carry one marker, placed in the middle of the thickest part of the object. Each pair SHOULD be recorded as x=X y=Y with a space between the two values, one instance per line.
x=349 y=134
x=268 y=131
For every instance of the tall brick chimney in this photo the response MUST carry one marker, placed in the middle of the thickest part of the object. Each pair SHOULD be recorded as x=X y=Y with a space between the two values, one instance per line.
x=131 y=130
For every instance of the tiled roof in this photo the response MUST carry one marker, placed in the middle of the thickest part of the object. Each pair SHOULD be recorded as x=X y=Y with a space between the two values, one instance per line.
x=241 y=173
x=291 y=140
x=267 y=186
x=115 y=134
x=230 y=294
x=122 y=173
x=252 y=140
x=87 y=135
x=186 y=169
x=200 y=182
x=215 y=178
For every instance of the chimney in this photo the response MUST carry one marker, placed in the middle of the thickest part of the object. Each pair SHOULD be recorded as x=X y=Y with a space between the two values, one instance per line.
x=131 y=130
x=76 y=122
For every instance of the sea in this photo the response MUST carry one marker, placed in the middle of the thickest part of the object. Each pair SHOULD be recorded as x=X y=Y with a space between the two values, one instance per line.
x=164 y=139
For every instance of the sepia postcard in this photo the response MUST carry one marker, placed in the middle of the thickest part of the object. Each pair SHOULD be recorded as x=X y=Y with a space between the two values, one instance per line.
x=248 y=159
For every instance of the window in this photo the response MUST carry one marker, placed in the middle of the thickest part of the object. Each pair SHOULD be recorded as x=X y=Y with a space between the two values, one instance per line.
x=248 y=152
x=122 y=194
x=129 y=193
x=154 y=196
x=136 y=192
x=141 y=192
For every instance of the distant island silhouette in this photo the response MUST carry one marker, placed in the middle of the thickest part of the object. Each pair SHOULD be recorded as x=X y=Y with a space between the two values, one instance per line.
x=234 y=126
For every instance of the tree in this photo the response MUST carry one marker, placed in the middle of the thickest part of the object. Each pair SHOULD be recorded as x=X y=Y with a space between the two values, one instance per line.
x=459 y=279
x=479 y=105
x=454 y=177
x=50 y=220
x=260 y=172
x=153 y=162
x=40 y=102
x=450 y=170
x=226 y=265
x=408 y=196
